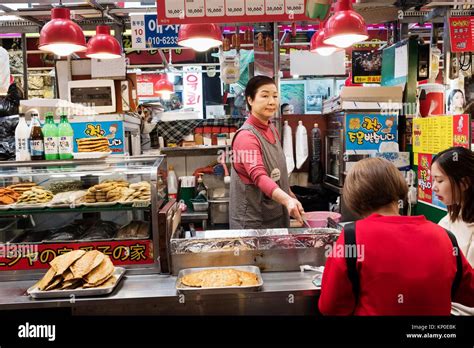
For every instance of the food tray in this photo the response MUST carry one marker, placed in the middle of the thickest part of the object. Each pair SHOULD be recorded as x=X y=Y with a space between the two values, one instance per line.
x=222 y=290
x=97 y=204
x=29 y=205
x=35 y=293
x=6 y=207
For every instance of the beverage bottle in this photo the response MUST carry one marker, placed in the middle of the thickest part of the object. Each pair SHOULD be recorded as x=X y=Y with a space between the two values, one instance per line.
x=51 y=143
x=172 y=182
x=22 y=136
x=201 y=188
x=316 y=165
x=66 y=135
x=36 y=139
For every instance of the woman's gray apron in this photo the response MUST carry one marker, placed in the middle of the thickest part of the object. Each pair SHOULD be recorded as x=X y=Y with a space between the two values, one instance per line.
x=249 y=207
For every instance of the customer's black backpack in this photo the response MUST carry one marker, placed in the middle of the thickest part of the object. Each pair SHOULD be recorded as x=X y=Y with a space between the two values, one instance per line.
x=351 y=259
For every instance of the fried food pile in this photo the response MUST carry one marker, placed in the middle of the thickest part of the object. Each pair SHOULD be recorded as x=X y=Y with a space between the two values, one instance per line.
x=8 y=196
x=220 y=278
x=36 y=195
x=97 y=144
x=78 y=269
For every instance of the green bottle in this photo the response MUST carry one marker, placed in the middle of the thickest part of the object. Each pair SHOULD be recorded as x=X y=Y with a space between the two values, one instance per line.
x=66 y=136
x=51 y=140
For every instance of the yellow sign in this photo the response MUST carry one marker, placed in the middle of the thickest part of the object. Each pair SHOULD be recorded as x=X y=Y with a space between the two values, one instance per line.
x=432 y=135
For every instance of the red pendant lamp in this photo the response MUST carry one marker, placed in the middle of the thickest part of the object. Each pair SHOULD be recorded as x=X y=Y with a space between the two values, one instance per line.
x=103 y=45
x=164 y=87
x=61 y=35
x=346 y=27
x=318 y=46
x=200 y=37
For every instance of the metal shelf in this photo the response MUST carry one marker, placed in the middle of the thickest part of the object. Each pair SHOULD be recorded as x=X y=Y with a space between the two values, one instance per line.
x=81 y=209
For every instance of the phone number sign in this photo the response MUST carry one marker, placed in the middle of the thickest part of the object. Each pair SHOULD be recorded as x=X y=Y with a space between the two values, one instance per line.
x=146 y=33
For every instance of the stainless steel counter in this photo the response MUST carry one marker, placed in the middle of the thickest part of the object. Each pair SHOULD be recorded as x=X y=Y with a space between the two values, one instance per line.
x=283 y=293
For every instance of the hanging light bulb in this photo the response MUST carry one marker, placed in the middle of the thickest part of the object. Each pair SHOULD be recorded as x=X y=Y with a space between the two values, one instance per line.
x=318 y=46
x=200 y=37
x=346 y=27
x=163 y=87
x=61 y=35
x=103 y=45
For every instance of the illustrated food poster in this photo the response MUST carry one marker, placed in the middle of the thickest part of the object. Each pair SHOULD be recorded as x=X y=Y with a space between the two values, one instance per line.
x=425 y=182
x=435 y=134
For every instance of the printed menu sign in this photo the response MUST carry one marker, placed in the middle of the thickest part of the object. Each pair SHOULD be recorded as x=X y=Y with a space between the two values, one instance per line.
x=231 y=11
x=438 y=133
x=461 y=33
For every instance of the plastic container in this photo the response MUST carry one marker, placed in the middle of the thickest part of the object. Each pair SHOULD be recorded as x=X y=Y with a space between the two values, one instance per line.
x=319 y=219
x=172 y=182
x=200 y=206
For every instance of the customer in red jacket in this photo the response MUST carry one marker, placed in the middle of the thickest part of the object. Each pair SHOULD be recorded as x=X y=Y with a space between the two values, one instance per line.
x=405 y=264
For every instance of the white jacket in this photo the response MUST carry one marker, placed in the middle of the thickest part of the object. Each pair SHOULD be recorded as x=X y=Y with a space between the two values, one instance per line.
x=464 y=233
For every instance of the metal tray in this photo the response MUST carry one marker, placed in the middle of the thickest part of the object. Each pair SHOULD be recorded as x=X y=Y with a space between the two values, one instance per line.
x=222 y=290
x=35 y=293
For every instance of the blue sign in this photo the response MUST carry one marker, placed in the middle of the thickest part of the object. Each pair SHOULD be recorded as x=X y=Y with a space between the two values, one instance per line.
x=371 y=132
x=112 y=130
x=146 y=33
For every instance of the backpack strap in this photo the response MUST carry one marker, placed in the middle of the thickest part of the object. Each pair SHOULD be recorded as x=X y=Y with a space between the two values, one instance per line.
x=350 y=253
x=458 y=277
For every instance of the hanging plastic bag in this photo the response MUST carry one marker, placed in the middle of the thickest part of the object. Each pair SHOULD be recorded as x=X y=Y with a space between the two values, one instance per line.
x=4 y=70
x=301 y=145
x=288 y=147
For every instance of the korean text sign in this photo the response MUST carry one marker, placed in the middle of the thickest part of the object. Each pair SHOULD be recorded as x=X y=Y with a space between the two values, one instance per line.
x=146 y=33
x=370 y=131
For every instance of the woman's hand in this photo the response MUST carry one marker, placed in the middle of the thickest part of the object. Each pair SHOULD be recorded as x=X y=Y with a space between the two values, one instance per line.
x=295 y=209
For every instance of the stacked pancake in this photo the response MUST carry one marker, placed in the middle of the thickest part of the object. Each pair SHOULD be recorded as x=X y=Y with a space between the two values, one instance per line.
x=97 y=144
x=78 y=269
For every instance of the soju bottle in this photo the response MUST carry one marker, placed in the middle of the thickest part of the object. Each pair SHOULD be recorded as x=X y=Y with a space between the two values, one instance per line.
x=51 y=140
x=36 y=139
x=66 y=135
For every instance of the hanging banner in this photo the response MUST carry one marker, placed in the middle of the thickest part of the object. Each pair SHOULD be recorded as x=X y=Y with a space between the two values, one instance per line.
x=461 y=31
x=244 y=11
x=192 y=89
x=146 y=33
x=37 y=256
x=370 y=131
x=437 y=133
x=425 y=181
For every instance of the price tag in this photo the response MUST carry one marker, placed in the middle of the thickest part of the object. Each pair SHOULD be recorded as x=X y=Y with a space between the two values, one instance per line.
x=141 y=204
x=275 y=7
x=215 y=8
x=195 y=8
x=255 y=7
x=294 y=6
x=235 y=7
x=174 y=8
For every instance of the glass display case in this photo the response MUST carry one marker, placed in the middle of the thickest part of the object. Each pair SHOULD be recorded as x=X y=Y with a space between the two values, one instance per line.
x=51 y=207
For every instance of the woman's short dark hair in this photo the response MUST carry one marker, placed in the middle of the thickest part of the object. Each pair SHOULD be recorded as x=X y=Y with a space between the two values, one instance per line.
x=371 y=184
x=458 y=165
x=451 y=96
x=254 y=84
x=283 y=106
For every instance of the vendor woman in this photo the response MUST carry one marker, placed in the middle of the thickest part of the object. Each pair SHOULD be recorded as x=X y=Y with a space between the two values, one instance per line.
x=260 y=195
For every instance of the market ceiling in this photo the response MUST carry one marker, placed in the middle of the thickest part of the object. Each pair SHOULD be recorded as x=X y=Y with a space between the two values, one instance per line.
x=89 y=13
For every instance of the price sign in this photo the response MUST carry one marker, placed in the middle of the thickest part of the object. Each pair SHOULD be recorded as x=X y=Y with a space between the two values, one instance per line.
x=195 y=8
x=215 y=8
x=230 y=11
x=234 y=8
x=275 y=7
x=141 y=204
x=255 y=7
x=146 y=33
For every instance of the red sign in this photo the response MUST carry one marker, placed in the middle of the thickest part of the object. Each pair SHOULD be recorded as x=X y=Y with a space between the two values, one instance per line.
x=461 y=131
x=461 y=32
x=233 y=11
x=37 y=256
x=425 y=192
